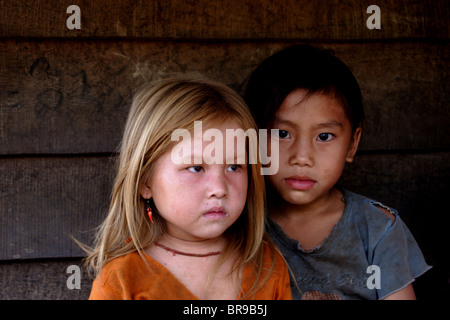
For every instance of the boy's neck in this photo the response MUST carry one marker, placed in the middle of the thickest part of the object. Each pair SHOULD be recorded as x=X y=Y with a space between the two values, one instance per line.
x=331 y=202
x=309 y=224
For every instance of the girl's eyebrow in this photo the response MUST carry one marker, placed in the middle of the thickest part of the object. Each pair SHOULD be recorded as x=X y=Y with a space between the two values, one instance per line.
x=236 y=158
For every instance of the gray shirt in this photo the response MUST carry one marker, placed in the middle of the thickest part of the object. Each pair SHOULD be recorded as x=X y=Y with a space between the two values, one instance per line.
x=366 y=256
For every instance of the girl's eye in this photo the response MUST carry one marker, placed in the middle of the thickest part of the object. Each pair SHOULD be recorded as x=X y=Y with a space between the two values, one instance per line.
x=195 y=169
x=283 y=134
x=325 y=136
x=234 y=168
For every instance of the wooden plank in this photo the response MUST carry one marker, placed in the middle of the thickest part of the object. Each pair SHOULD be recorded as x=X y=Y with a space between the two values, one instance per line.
x=73 y=97
x=42 y=280
x=406 y=90
x=44 y=201
x=236 y=19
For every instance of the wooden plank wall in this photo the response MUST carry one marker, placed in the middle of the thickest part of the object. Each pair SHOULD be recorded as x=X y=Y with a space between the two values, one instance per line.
x=64 y=96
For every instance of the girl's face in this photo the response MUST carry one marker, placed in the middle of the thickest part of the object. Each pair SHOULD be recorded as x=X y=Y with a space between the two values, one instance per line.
x=315 y=141
x=199 y=201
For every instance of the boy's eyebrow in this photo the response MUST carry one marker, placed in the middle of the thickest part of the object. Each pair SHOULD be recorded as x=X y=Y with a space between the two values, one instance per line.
x=327 y=124
x=283 y=121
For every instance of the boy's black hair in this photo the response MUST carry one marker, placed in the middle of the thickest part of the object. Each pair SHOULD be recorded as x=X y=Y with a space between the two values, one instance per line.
x=304 y=67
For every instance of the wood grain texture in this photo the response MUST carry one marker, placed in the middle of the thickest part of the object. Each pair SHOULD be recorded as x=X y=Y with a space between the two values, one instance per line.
x=41 y=280
x=236 y=19
x=45 y=201
x=73 y=97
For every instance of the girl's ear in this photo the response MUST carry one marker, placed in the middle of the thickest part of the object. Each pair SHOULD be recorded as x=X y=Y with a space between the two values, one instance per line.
x=145 y=190
x=353 y=145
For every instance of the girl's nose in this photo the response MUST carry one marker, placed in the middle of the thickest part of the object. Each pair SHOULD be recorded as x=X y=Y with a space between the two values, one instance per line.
x=217 y=186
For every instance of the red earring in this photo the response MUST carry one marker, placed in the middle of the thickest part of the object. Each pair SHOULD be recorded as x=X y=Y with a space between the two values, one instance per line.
x=149 y=210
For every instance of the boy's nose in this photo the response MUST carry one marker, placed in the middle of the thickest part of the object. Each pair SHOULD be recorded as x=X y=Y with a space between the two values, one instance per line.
x=301 y=154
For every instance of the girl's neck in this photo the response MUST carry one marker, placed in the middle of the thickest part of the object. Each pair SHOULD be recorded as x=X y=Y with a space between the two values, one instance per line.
x=203 y=246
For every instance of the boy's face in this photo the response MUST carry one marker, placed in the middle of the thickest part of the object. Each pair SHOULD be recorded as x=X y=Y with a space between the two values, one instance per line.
x=315 y=141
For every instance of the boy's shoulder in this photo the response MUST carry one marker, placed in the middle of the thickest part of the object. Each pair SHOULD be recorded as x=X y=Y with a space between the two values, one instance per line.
x=369 y=214
x=367 y=205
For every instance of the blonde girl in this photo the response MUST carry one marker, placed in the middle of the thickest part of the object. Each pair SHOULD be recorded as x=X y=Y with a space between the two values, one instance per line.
x=189 y=230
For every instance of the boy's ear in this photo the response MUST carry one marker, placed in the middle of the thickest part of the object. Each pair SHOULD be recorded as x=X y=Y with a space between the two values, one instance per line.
x=145 y=190
x=354 y=145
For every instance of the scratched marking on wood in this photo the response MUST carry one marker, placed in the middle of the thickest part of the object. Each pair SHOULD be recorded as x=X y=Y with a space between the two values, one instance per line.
x=73 y=97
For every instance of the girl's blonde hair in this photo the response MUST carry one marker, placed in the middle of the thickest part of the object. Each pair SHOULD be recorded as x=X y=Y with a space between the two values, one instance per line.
x=157 y=110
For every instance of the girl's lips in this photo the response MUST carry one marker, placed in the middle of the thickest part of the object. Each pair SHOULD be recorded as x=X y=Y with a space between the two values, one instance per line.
x=300 y=183
x=215 y=213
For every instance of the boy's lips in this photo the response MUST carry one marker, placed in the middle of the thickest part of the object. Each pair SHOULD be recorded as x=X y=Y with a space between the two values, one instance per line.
x=301 y=183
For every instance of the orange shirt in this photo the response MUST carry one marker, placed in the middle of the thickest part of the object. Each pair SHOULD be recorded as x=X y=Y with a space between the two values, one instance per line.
x=128 y=278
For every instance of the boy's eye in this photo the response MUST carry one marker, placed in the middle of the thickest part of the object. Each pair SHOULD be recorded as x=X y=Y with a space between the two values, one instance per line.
x=283 y=134
x=325 y=137
x=195 y=169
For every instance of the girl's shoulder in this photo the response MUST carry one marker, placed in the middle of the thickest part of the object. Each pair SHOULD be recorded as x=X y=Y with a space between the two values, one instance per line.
x=112 y=282
x=125 y=266
x=273 y=258
x=274 y=282
x=135 y=276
